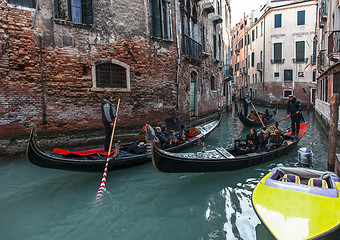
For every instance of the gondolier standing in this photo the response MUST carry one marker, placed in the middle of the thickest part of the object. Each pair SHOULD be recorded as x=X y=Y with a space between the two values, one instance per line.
x=293 y=110
x=246 y=102
x=108 y=115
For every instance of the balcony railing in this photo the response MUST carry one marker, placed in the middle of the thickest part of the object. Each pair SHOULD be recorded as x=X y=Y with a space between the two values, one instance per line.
x=322 y=60
x=322 y=13
x=260 y=66
x=228 y=72
x=277 y=60
x=334 y=46
x=192 y=48
x=313 y=59
x=300 y=60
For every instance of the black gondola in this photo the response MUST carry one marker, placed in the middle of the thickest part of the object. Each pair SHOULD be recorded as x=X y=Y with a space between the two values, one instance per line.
x=96 y=162
x=219 y=159
x=255 y=123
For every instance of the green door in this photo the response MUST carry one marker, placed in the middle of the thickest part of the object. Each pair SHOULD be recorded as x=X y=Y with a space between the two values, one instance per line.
x=192 y=97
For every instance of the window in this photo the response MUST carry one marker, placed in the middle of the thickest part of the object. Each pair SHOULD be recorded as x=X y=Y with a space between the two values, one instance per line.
x=77 y=11
x=161 y=19
x=261 y=27
x=276 y=74
x=314 y=76
x=286 y=93
x=204 y=38
x=277 y=53
x=111 y=74
x=288 y=75
x=300 y=51
x=252 y=59
x=23 y=3
x=253 y=35
x=257 y=32
x=278 y=20
x=301 y=17
x=213 y=83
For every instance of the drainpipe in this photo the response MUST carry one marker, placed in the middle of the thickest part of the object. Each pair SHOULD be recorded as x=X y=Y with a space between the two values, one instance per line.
x=37 y=6
x=178 y=58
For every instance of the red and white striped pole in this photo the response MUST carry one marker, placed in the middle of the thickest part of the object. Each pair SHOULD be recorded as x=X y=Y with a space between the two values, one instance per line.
x=102 y=188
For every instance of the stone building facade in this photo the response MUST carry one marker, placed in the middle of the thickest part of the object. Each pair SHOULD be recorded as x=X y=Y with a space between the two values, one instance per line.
x=162 y=58
x=279 y=53
x=328 y=58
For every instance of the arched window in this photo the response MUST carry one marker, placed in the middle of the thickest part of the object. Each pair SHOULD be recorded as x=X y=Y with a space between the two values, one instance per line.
x=111 y=75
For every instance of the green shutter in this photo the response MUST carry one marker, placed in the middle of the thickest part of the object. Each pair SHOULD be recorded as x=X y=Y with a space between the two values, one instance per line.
x=300 y=51
x=192 y=95
x=277 y=51
x=156 y=18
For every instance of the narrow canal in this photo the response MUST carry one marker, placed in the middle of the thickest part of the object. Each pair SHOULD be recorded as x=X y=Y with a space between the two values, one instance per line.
x=39 y=204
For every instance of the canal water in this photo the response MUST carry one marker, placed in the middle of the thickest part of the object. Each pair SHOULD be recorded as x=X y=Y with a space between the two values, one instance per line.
x=141 y=203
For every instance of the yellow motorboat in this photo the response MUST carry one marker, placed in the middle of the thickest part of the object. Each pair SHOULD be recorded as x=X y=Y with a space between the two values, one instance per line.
x=298 y=203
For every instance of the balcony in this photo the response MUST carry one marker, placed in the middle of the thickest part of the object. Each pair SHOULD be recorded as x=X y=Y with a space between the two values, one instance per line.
x=191 y=48
x=334 y=46
x=300 y=60
x=322 y=61
x=277 y=60
x=228 y=72
x=322 y=13
x=260 y=66
x=313 y=59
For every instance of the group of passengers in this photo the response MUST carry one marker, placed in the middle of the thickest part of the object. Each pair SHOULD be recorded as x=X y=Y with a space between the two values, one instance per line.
x=261 y=116
x=170 y=138
x=264 y=141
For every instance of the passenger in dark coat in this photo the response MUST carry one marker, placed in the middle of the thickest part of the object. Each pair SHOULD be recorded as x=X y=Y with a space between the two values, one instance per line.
x=252 y=141
x=294 y=107
x=263 y=137
x=163 y=139
x=108 y=115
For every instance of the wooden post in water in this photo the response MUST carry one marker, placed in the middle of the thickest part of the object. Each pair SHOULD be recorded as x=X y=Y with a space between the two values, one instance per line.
x=333 y=131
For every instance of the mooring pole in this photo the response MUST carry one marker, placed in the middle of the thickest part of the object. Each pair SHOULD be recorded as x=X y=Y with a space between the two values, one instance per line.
x=333 y=131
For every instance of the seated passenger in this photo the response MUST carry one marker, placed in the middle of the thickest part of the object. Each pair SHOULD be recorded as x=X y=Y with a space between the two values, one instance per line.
x=251 y=141
x=173 y=138
x=275 y=140
x=263 y=137
x=164 y=130
x=252 y=116
x=267 y=114
x=183 y=133
x=164 y=141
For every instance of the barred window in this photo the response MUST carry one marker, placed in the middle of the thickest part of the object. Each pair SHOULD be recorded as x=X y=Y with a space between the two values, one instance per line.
x=77 y=11
x=23 y=3
x=111 y=74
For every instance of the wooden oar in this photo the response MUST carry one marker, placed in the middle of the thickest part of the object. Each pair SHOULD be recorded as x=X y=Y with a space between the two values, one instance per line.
x=258 y=116
x=103 y=182
x=281 y=119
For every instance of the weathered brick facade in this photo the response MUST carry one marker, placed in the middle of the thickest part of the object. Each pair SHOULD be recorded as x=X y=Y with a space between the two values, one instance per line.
x=46 y=70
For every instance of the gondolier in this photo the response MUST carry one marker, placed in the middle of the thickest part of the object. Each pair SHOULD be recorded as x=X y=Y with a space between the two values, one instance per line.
x=293 y=110
x=246 y=102
x=108 y=115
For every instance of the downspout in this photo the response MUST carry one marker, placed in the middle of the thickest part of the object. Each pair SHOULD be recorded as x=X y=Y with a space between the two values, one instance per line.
x=178 y=58
x=37 y=6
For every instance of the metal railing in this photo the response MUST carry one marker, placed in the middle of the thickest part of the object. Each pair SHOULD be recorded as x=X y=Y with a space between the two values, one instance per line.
x=322 y=58
x=191 y=48
x=277 y=60
x=260 y=66
x=313 y=59
x=300 y=60
x=334 y=44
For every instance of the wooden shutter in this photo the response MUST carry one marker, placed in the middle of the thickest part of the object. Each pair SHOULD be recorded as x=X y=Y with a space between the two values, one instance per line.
x=156 y=18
